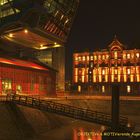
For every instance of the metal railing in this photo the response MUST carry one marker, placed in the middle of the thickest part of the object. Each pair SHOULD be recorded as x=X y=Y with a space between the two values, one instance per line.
x=66 y=110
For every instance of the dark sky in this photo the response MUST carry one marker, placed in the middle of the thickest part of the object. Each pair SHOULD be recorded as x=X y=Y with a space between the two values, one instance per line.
x=96 y=23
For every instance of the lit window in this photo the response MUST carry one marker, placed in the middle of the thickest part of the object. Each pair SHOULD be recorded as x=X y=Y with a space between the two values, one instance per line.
x=76 y=58
x=83 y=79
x=116 y=71
x=87 y=58
x=91 y=65
x=137 y=55
x=94 y=78
x=125 y=78
x=128 y=88
x=119 y=78
x=100 y=78
x=84 y=58
x=107 y=56
x=128 y=71
x=106 y=78
x=115 y=54
x=83 y=71
x=132 y=55
x=103 y=57
x=119 y=70
x=75 y=79
x=99 y=57
x=79 y=58
x=79 y=88
x=103 y=72
x=124 y=56
x=91 y=57
x=103 y=88
x=79 y=72
x=128 y=56
x=112 y=78
x=132 y=78
x=95 y=57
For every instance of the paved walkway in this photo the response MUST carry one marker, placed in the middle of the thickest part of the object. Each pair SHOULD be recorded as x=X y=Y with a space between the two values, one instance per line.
x=133 y=98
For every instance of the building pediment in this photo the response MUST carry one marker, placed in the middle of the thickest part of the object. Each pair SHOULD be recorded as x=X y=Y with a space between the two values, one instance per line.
x=116 y=45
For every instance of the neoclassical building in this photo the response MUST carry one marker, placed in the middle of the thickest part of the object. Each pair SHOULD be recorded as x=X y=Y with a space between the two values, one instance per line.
x=94 y=72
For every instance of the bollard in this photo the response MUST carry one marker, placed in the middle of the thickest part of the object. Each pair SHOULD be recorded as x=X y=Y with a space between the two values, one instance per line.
x=115 y=106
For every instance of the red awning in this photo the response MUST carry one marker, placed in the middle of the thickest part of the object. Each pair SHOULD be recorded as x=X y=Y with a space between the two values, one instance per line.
x=22 y=63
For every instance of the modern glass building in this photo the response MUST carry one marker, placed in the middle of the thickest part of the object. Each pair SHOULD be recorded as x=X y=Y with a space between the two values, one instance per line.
x=95 y=72
x=37 y=29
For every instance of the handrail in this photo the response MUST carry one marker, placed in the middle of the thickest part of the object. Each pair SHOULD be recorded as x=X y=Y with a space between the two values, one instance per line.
x=66 y=110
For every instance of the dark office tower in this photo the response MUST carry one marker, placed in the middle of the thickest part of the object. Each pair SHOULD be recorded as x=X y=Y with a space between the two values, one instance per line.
x=37 y=29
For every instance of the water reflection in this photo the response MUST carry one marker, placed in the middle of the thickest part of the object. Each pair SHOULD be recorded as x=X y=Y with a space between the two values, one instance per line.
x=82 y=134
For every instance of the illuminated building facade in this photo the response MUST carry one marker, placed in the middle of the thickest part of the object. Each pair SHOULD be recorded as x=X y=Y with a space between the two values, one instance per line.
x=93 y=72
x=26 y=78
x=37 y=29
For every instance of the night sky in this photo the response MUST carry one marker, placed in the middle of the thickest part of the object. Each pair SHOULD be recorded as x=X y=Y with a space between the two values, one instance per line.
x=96 y=23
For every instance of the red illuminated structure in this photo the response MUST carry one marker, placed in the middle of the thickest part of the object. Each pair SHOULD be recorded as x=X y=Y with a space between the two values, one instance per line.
x=26 y=77
x=94 y=72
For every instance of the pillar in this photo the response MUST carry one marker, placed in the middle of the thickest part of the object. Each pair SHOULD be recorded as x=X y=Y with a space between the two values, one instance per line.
x=115 y=106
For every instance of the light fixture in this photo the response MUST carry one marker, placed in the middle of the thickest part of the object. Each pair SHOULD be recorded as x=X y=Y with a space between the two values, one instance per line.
x=26 y=31
x=10 y=35
x=41 y=45
x=56 y=45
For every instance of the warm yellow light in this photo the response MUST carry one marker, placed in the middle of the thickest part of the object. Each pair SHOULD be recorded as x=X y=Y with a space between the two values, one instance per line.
x=128 y=71
x=125 y=78
x=95 y=57
x=56 y=44
x=26 y=31
x=10 y=35
x=132 y=78
x=103 y=88
x=138 y=77
x=41 y=45
x=119 y=78
x=115 y=54
x=83 y=79
x=116 y=71
x=87 y=58
x=137 y=55
x=94 y=78
x=100 y=78
x=128 y=88
x=79 y=88
x=103 y=72
x=91 y=57
x=106 y=78
x=128 y=56
x=83 y=71
x=66 y=21
x=112 y=78
x=84 y=58
x=76 y=79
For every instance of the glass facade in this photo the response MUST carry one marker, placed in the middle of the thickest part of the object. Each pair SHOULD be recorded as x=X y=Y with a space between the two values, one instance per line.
x=38 y=29
x=53 y=16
